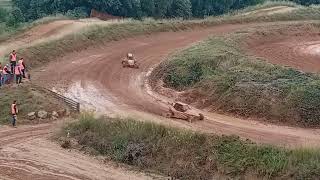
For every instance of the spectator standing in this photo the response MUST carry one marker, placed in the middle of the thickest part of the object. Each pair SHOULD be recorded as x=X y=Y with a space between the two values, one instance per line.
x=0 y=75
x=22 y=67
x=5 y=74
x=13 y=60
x=18 y=74
x=14 y=112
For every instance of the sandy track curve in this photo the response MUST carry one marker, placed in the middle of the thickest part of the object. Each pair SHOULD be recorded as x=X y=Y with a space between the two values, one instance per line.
x=26 y=152
x=96 y=75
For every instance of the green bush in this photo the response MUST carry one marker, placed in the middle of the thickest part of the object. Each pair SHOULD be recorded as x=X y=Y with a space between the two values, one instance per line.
x=78 y=12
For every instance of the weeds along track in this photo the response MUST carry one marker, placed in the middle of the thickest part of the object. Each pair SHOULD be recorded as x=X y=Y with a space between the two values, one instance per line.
x=96 y=78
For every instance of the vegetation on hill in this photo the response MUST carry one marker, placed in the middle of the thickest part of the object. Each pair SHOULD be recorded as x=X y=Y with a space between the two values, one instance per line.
x=187 y=155
x=29 y=99
x=217 y=74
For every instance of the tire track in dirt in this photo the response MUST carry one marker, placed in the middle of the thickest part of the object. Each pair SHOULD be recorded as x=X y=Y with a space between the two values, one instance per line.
x=124 y=88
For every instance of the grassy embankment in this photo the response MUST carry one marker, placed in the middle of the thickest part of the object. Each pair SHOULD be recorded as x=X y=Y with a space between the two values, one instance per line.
x=217 y=74
x=29 y=99
x=187 y=155
x=97 y=35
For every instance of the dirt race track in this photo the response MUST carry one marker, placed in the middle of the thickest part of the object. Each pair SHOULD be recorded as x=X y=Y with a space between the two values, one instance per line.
x=96 y=78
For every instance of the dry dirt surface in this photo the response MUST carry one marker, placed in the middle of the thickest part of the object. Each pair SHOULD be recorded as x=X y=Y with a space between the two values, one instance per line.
x=96 y=78
x=27 y=153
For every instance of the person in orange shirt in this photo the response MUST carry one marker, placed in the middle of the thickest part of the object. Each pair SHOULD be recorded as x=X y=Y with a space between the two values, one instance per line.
x=18 y=74
x=22 y=67
x=14 y=112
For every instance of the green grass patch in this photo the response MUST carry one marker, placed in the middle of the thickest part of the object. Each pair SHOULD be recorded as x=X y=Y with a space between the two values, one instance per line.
x=29 y=99
x=188 y=155
x=217 y=74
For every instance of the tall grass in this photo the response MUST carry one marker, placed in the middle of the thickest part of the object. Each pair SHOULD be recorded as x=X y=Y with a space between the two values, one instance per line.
x=188 y=155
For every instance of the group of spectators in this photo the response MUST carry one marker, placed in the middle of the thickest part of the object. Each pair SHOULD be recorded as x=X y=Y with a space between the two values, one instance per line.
x=16 y=70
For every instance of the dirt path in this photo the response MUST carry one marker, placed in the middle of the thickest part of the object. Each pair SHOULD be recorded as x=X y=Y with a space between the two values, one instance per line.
x=26 y=153
x=96 y=79
x=48 y=32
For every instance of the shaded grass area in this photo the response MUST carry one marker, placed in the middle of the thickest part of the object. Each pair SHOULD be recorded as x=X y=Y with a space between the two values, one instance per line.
x=216 y=74
x=188 y=155
x=29 y=99
x=97 y=35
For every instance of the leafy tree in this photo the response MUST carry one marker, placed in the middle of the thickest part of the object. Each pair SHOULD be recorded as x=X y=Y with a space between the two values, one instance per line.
x=3 y=14
x=33 y=9
x=148 y=7
x=161 y=8
x=16 y=13
x=15 y=18
x=181 y=8
x=78 y=12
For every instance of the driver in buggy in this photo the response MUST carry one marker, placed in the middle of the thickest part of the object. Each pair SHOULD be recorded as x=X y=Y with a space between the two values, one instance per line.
x=130 y=61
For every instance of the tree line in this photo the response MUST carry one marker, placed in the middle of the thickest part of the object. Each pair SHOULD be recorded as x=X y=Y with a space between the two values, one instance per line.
x=34 y=9
x=306 y=2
